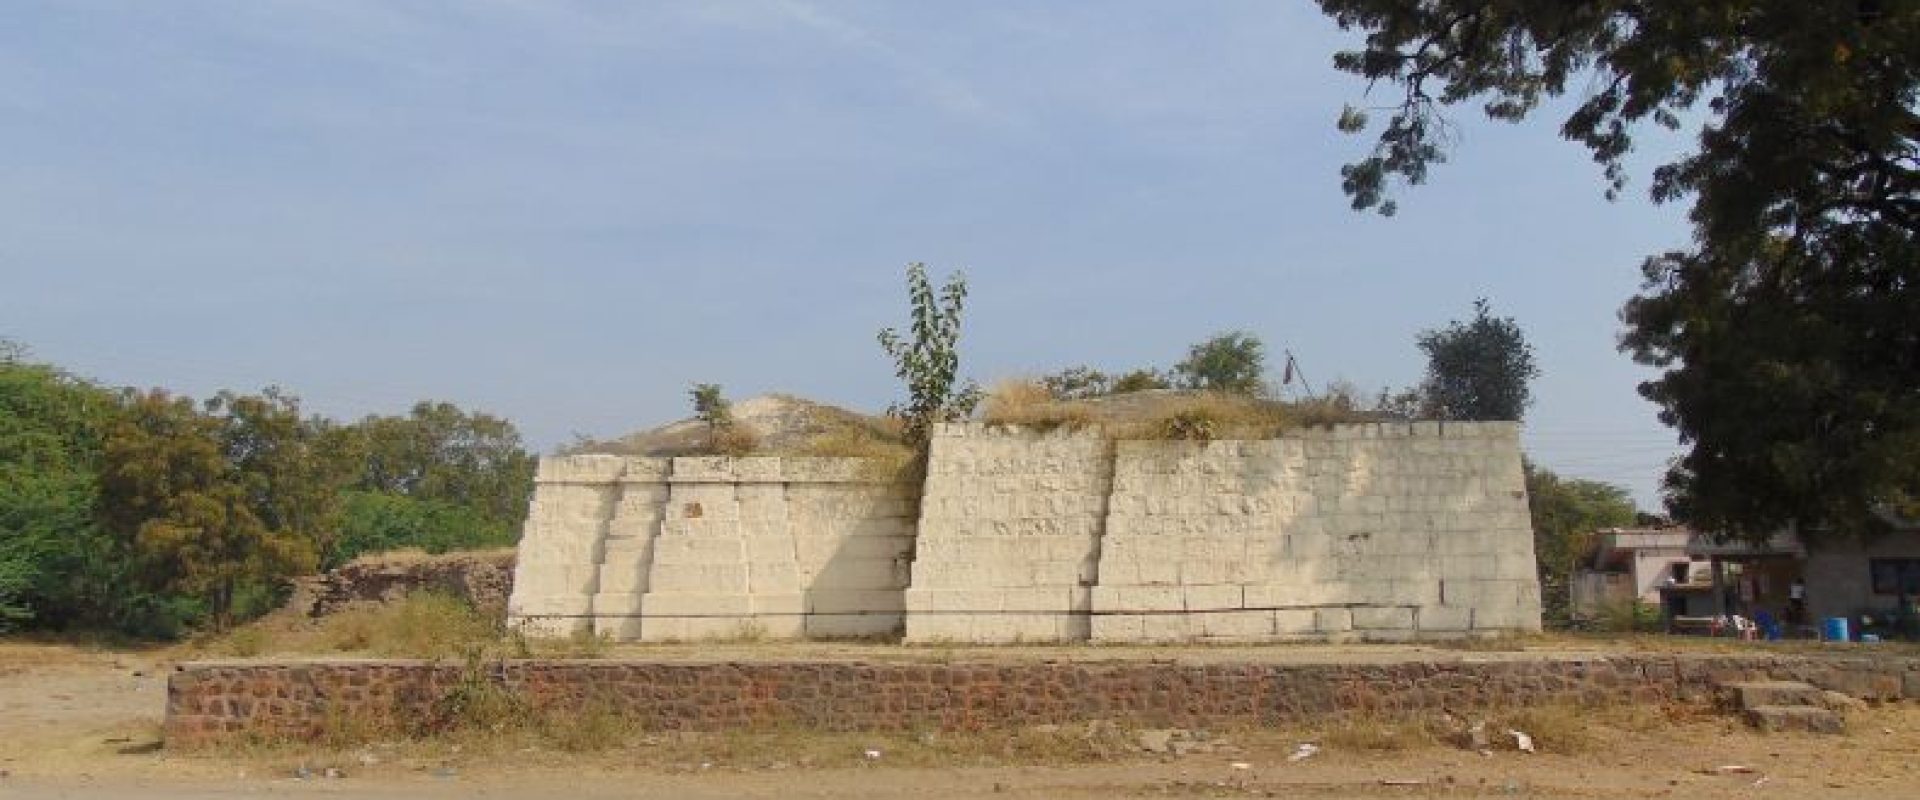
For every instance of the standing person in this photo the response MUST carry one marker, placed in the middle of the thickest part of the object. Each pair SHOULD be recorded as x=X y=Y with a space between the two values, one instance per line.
x=1797 y=602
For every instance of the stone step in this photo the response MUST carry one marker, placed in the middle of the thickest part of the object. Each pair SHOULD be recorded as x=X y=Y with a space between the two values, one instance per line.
x=1748 y=695
x=1795 y=718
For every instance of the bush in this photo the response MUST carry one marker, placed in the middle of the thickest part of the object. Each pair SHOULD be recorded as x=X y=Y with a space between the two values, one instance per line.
x=1627 y=616
x=374 y=522
x=734 y=440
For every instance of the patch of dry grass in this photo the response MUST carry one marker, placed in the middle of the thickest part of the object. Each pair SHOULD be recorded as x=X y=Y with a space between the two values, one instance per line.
x=1029 y=404
x=425 y=624
x=1157 y=415
x=1203 y=416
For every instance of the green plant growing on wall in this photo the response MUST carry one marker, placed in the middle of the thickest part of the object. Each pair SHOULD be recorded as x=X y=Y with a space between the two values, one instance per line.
x=927 y=359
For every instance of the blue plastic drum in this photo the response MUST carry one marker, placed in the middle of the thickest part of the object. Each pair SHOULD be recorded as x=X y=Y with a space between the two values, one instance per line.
x=1834 y=629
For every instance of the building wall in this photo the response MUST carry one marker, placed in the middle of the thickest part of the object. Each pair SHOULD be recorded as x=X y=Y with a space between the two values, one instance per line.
x=1374 y=531
x=212 y=702
x=1652 y=568
x=1837 y=577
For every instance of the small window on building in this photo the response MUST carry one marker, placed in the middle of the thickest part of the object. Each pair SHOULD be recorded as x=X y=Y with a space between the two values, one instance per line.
x=1680 y=572
x=1895 y=575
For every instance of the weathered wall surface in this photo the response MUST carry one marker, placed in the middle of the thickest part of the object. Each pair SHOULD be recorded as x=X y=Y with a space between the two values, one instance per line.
x=1376 y=532
x=690 y=548
x=482 y=578
x=210 y=702
x=1009 y=538
x=1839 y=573
x=1365 y=531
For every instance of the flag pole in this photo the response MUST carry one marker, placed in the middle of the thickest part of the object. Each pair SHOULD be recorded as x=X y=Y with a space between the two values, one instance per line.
x=1292 y=370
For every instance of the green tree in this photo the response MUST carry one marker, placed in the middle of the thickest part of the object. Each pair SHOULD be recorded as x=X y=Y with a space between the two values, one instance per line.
x=439 y=479
x=1480 y=369
x=57 y=565
x=1566 y=513
x=290 y=469
x=928 y=358
x=440 y=452
x=1233 y=362
x=191 y=517
x=1788 y=333
x=378 y=522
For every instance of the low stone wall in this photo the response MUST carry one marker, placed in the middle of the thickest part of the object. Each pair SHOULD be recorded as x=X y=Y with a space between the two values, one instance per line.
x=211 y=701
x=483 y=579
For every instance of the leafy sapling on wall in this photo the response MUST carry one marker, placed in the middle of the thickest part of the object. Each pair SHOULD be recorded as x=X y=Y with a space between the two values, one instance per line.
x=927 y=359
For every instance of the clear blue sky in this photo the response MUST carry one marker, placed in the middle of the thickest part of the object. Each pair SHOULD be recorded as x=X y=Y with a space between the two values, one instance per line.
x=566 y=212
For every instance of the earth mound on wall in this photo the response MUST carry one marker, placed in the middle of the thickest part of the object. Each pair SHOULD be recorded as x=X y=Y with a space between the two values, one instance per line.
x=1166 y=413
x=484 y=578
x=780 y=424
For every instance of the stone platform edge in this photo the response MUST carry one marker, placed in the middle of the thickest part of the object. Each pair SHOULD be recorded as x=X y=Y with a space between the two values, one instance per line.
x=225 y=701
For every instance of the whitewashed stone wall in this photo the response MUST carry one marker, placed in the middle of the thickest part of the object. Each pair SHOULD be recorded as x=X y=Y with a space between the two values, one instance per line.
x=1373 y=532
x=1377 y=531
x=1009 y=543
x=701 y=548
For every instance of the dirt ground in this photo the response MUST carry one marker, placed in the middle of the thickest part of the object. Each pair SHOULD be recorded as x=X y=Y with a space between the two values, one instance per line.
x=84 y=722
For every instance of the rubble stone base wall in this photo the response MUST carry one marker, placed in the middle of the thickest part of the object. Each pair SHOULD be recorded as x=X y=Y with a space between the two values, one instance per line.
x=212 y=701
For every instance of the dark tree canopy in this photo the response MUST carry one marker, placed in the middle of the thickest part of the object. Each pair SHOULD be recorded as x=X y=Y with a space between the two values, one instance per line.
x=1789 y=334
x=1480 y=369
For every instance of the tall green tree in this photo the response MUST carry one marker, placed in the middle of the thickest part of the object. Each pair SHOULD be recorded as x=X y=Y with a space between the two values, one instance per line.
x=179 y=491
x=1789 y=334
x=439 y=478
x=290 y=468
x=1480 y=369
x=440 y=452
x=927 y=358
x=1234 y=362
x=56 y=565
x=1567 y=512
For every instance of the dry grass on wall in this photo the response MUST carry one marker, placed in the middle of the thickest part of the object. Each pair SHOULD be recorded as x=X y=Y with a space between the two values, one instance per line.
x=1161 y=414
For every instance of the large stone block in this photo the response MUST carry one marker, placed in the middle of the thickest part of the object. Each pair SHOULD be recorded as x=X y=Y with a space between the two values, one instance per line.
x=1249 y=626
x=1444 y=618
x=1207 y=598
x=1138 y=598
x=579 y=469
x=1373 y=618
x=698 y=578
